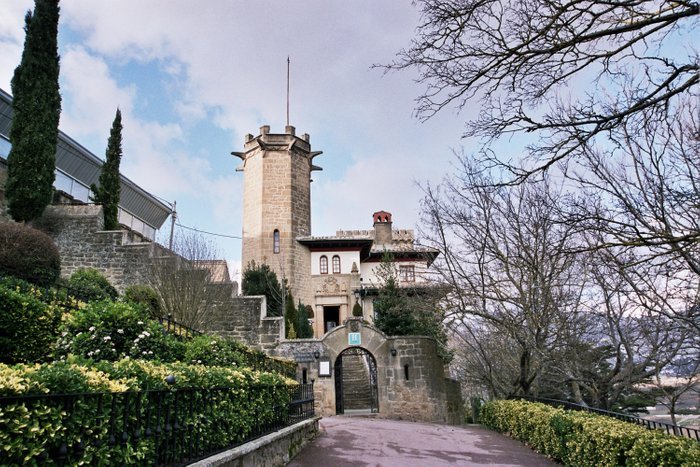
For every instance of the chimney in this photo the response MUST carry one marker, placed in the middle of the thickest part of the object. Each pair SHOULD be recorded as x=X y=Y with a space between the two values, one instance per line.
x=382 y=228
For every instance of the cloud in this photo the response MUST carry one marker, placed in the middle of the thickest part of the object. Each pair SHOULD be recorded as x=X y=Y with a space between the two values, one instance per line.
x=183 y=74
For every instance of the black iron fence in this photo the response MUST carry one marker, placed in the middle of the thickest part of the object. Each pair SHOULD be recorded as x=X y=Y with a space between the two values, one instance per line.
x=165 y=427
x=669 y=428
x=178 y=329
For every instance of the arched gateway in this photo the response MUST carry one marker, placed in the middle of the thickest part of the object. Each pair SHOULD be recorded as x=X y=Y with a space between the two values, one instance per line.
x=355 y=373
x=356 y=367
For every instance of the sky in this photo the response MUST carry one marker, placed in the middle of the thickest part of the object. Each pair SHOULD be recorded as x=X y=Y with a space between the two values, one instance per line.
x=192 y=78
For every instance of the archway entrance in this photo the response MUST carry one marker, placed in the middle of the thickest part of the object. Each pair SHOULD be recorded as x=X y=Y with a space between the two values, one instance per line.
x=356 y=381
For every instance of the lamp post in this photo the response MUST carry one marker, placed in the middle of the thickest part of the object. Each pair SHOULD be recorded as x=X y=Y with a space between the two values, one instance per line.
x=359 y=295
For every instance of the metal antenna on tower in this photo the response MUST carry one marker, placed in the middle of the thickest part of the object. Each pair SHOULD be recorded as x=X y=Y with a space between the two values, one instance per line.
x=287 y=90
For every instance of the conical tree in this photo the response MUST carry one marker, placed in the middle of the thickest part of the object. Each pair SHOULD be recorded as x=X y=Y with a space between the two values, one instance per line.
x=37 y=107
x=107 y=193
x=290 y=317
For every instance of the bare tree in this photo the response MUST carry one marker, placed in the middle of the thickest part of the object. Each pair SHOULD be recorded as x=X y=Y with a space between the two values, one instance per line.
x=574 y=72
x=631 y=340
x=641 y=200
x=607 y=91
x=508 y=262
x=185 y=283
x=531 y=311
x=669 y=389
x=604 y=94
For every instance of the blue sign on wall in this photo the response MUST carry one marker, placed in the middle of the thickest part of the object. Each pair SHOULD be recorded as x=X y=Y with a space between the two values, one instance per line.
x=354 y=338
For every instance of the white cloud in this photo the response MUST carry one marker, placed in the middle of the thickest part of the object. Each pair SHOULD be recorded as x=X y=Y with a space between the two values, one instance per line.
x=224 y=65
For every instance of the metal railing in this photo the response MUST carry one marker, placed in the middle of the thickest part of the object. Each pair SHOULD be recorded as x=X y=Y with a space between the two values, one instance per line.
x=165 y=427
x=178 y=329
x=669 y=428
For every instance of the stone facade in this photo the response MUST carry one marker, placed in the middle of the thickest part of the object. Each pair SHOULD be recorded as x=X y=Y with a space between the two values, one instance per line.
x=411 y=377
x=277 y=201
x=122 y=256
x=245 y=320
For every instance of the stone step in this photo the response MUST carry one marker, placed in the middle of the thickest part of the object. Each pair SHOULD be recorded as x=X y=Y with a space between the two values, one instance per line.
x=357 y=391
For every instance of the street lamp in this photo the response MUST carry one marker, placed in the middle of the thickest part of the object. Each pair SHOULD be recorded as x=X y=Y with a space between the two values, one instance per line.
x=359 y=294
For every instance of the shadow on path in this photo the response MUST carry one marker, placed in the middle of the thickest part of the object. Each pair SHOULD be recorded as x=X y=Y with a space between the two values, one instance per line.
x=365 y=441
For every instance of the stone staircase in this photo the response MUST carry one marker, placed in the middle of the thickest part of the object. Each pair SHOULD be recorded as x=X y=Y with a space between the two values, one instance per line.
x=357 y=392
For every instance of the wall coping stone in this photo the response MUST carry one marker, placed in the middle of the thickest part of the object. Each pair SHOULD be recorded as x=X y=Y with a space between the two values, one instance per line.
x=232 y=454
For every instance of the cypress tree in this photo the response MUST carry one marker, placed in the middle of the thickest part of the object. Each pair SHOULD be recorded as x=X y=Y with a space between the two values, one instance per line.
x=261 y=280
x=107 y=194
x=304 y=329
x=36 y=106
x=290 y=317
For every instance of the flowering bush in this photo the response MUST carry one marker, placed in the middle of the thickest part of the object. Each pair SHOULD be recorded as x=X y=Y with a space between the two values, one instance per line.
x=211 y=350
x=578 y=438
x=113 y=330
x=28 y=326
x=56 y=377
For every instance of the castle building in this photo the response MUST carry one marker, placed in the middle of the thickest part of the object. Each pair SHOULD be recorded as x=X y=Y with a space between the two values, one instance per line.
x=330 y=273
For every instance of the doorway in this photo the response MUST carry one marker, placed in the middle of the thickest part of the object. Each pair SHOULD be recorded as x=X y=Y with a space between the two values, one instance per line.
x=331 y=317
x=356 y=381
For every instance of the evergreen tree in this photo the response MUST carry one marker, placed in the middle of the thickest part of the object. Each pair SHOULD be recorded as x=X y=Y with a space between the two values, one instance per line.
x=36 y=106
x=409 y=311
x=291 y=318
x=304 y=329
x=261 y=280
x=107 y=194
x=394 y=317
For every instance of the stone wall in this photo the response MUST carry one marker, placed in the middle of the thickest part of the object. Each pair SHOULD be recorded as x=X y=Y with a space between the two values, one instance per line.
x=275 y=449
x=245 y=319
x=415 y=382
x=427 y=395
x=120 y=255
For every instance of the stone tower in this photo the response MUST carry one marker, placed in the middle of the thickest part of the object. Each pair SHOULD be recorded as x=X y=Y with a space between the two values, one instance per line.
x=277 y=204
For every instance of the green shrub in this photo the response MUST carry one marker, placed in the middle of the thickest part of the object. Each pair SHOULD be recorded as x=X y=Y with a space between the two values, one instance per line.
x=28 y=326
x=153 y=343
x=28 y=254
x=223 y=418
x=581 y=439
x=89 y=285
x=357 y=310
x=114 y=330
x=215 y=351
x=145 y=297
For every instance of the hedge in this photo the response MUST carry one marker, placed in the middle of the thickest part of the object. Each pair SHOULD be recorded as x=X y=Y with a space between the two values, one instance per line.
x=582 y=439
x=28 y=326
x=219 y=406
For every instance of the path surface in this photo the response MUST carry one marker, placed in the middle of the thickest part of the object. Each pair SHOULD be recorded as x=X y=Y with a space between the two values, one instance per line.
x=363 y=441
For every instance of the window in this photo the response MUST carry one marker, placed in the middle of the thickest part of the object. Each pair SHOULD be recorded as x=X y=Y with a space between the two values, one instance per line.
x=323 y=264
x=336 y=264
x=4 y=146
x=407 y=273
x=276 y=241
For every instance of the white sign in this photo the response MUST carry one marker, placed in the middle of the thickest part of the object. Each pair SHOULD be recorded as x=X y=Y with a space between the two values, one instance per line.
x=324 y=368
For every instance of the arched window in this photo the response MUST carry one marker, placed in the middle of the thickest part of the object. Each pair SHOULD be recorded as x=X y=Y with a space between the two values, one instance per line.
x=323 y=264
x=336 y=264
x=276 y=241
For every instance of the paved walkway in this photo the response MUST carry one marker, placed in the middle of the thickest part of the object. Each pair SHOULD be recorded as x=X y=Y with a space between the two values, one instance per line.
x=363 y=441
